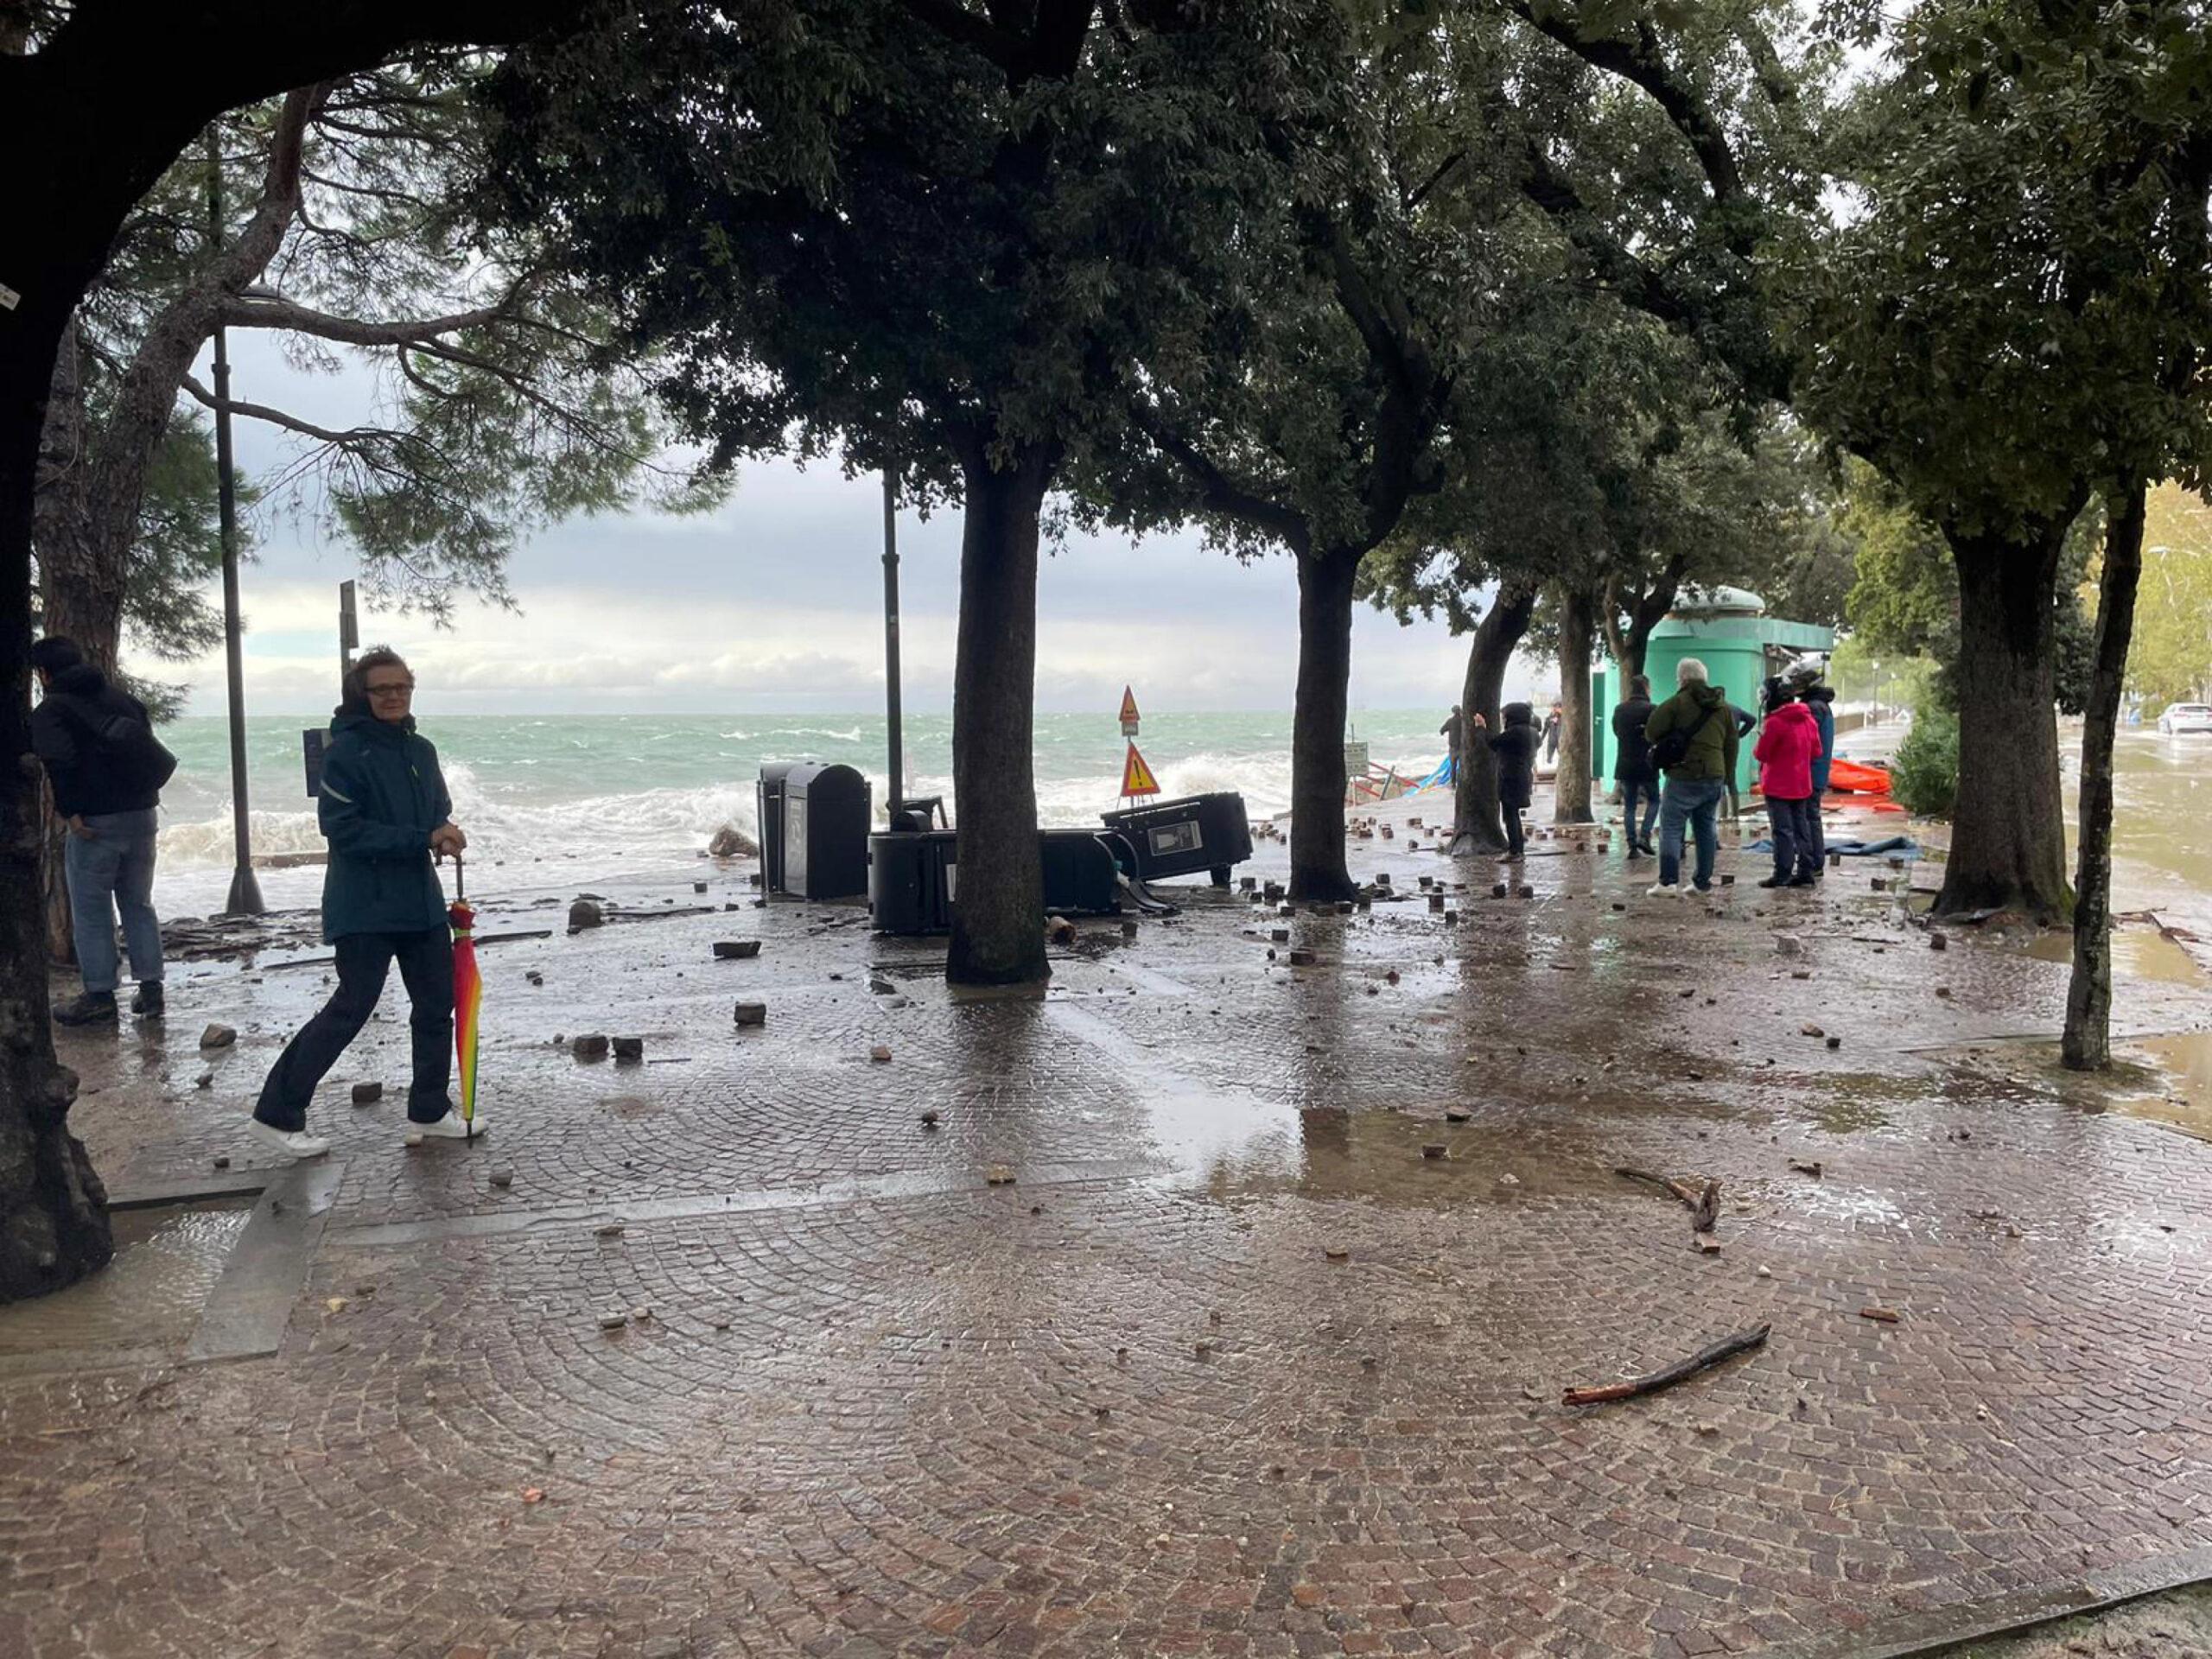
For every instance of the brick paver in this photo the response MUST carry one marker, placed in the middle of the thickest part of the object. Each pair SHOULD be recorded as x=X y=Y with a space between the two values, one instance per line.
x=1131 y=1403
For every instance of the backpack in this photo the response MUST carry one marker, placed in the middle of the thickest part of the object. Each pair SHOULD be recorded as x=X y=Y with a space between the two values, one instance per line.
x=126 y=742
x=1673 y=746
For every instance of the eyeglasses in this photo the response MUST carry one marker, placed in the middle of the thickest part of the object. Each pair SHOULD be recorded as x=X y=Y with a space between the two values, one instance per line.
x=398 y=689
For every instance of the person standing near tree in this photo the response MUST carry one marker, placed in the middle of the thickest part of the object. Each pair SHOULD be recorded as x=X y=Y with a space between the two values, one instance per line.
x=385 y=811
x=1516 y=749
x=1632 y=767
x=1455 y=736
x=107 y=769
x=1692 y=738
x=1551 y=735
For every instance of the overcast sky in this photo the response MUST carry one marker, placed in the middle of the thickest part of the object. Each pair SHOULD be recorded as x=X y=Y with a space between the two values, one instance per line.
x=775 y=602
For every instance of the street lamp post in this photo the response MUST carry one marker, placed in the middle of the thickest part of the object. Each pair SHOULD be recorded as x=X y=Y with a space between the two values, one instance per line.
x=245 y=890
x=892 y=720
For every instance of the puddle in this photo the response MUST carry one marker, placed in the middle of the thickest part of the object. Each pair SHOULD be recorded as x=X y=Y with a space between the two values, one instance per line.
x=1854 y=1104
x=2138 y=952
x=1239 y=1147
x=150 y=1296
x=2168 y=1079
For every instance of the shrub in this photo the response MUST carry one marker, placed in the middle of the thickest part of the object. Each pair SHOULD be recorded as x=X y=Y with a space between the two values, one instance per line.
x=1924 y=775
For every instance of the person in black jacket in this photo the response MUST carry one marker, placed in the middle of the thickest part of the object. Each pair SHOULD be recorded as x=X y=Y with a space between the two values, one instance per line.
x=1632 y=768
x=1515 y=748
x=96 y=742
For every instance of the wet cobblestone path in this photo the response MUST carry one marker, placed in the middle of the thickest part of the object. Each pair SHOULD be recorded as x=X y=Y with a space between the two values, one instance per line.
x=740 y=1356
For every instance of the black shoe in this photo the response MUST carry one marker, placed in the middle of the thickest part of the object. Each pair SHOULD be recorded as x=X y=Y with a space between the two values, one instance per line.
x=147 y=1001
x=1801 y=881
x=1649 y=851
x=92 y=1008
x=1774 y=881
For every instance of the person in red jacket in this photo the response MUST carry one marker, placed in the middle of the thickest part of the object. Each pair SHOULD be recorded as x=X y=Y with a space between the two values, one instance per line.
x=1788 y=745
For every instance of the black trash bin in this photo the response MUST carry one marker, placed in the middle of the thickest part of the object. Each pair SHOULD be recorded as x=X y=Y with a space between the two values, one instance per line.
x=1078 y=871
x=910 y=880
x=913 y=876
x=814 y=825
x=1181 y=838
x=768 y=806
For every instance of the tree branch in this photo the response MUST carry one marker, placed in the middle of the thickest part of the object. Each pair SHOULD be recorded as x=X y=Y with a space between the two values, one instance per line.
x=1618 y=266
x=964 y=28
x=289 y=422
x=1642 y=63
x=242 y=313
x=145 y=396
x=1217 y=493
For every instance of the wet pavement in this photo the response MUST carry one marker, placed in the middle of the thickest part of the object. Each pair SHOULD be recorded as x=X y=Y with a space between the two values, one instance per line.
x=1224 y=1308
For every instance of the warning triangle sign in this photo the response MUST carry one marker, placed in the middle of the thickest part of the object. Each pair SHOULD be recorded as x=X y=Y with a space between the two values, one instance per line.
x=1128 y=706
x=1137 y=777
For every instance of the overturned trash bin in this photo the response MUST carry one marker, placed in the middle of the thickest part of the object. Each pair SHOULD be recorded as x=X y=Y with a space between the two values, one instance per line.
x=1181 y=838
x=913 y=877
x=814 y=824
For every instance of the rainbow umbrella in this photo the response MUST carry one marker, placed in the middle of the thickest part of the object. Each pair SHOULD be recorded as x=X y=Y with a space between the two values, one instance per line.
x=467 y=994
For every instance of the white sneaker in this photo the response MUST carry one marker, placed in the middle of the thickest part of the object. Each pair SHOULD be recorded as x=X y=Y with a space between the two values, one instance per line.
x=1663 y=890
x=293 y=1143
x=451 y=1127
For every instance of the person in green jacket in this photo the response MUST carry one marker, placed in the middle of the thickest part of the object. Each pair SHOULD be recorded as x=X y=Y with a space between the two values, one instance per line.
x=1698 y=780
x=385 y=811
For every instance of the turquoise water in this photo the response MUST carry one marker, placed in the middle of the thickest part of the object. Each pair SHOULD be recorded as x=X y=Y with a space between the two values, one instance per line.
x=622 y=789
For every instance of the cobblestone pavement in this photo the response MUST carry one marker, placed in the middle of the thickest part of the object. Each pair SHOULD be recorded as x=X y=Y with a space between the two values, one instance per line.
x=745 y=1358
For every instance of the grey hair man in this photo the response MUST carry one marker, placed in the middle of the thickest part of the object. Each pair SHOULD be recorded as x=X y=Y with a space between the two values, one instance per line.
x=1692 y=739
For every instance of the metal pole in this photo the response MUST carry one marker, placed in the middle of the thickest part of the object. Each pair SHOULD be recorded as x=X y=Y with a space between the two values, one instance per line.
x=245 y=891
x=891 y=637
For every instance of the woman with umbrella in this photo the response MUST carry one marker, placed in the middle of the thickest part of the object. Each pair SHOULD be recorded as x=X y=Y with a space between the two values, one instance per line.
x=385 y=811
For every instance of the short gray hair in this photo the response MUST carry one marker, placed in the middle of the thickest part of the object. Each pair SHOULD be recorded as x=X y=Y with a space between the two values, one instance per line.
x=1689 y=672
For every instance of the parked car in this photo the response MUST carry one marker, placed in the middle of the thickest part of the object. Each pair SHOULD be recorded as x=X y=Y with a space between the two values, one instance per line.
x=2186 y=717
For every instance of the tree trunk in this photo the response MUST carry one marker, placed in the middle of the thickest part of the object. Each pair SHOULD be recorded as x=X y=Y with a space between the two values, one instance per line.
x=998 y=916
x=1317 y=741
x=1571 y=783
x=62 y=514
x=1481 y=827
x=54 y=1226
x=2087 y=1043
x=2008 y=845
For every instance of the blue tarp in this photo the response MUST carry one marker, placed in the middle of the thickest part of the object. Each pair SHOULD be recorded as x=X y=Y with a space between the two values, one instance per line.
x=1903 y=847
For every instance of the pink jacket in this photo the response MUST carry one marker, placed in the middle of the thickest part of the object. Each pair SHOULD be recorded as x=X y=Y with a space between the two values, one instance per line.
x=1788 y=743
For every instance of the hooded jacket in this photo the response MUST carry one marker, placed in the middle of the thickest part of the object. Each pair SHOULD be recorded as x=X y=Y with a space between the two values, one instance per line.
x=87 y=777
x=1821 y=699
x=1631 y=749
x=1786 y=751
x=381 y=795
x=1515 y=748
x=1711 y=758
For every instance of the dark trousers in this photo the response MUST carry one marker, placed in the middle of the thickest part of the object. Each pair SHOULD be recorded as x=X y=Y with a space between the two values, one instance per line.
x=425 y=960
x=1796 y=830
x=1631 y=789
x=1514 y=840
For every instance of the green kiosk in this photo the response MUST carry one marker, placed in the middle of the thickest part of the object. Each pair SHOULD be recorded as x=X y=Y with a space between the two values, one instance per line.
x=1729 y=630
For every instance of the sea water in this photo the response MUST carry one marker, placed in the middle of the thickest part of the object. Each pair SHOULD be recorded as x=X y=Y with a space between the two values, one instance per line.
x=610 y=794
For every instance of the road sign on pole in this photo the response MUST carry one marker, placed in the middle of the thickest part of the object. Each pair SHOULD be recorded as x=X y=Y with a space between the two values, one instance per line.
x=1128 y=712
x=1137 y=777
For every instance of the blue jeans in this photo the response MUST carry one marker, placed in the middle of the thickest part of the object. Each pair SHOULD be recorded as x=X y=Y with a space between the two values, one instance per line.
x=1631 y=789
x=112 y=870
x=1697 y=801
